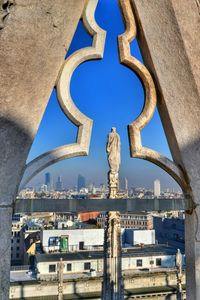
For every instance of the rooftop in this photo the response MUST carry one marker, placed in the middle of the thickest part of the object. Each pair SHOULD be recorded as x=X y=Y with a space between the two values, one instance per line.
x=153 y=250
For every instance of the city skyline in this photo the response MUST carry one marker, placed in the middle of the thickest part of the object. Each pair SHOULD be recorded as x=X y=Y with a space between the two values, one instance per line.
x=83 y=182
x=111 y=95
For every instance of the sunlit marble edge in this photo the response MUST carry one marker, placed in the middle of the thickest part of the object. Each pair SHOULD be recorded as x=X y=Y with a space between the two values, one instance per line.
x=134 y=129
x=84 y=124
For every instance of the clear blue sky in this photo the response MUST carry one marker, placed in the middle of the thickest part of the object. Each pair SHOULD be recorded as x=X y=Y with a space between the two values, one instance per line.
x=111 y=95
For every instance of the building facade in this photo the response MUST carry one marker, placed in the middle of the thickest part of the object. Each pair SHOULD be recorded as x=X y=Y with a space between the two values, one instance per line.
x=80 y=182
x=48 y=181
x=74 y=240
x=130 y=220
x=59 y=184
x=157 y=188
x=149 y=257
x=170 y=231
x=17 y=240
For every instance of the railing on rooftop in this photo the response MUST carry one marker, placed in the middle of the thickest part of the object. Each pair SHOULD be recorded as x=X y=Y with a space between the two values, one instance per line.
x=20 y=268
x=82 y=205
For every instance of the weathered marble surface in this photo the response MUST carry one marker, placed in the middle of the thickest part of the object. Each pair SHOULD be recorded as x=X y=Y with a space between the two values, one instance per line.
x=33 y=42
x=84 y=123
x=5 y=252
x=169 y=37
x=127 y=58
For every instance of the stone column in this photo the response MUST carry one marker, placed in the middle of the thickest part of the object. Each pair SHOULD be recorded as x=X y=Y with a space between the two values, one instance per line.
x=112 y=281
x=169 y=38
x=113 y=179
x=34 y=38
x=60 y=268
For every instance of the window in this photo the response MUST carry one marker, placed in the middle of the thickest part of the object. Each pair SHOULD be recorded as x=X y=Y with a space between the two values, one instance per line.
x=69 y=267
x=18 y=248
x=139 y=262
x=87 y=266
x=158 y=261
x=54 y=241
x=151 y=262
x=52 y=268
x=81 y=245
x=18 y=240
x=17 y=255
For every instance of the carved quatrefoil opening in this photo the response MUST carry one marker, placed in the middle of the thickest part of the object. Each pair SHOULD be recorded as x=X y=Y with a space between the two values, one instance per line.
x=84 y=124
x=55 y=127
x=134 y=129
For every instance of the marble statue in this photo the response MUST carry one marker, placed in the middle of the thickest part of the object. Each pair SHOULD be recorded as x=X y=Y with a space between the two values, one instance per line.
x=179 y=260
x=179 y=275
x=113 y=152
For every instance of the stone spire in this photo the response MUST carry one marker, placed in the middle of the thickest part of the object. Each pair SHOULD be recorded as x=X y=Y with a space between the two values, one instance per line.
x=113 y=281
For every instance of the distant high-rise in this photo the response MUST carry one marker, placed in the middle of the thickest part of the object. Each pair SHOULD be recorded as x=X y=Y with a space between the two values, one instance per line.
x=90 y=187
x=123 y=183
x=102 y=188
x=48 y=181
x=157 y=188
x=59 y=184
x=126 y=184
x=80 y=183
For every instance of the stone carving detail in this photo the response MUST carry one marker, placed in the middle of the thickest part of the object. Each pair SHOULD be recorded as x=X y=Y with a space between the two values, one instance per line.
x=113 y=151
x=198 y=5
x=113 y=280
x=84 y=124
x=4 y=10
x=136 y=148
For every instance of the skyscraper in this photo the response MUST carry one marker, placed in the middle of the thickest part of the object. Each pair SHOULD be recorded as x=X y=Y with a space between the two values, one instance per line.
x=48 y=181
x=123 y=181
x=81 y=182
x=126 y=184
x=157 y=188
x=59 y=184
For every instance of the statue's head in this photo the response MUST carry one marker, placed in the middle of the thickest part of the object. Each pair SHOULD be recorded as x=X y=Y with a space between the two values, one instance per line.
x=113 y=129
